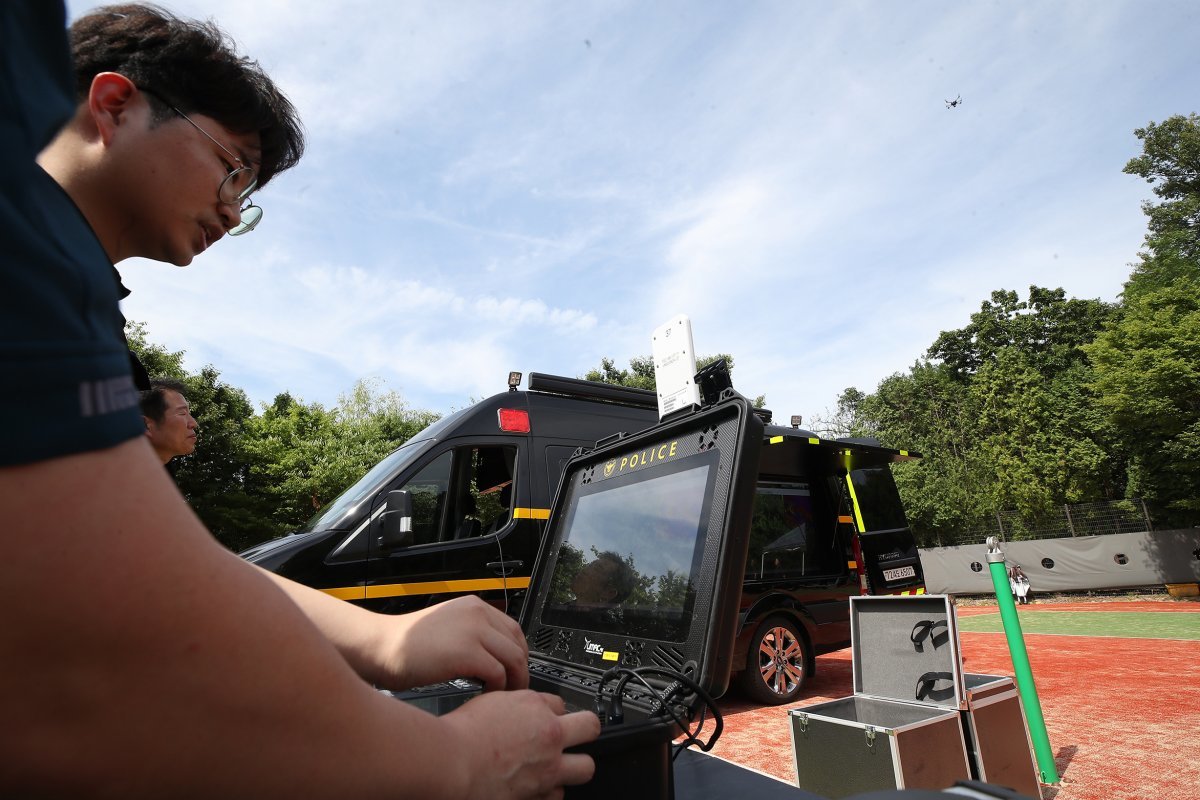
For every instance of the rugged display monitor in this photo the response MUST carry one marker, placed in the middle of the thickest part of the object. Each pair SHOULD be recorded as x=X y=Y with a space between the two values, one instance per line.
x=632 y=551
x=646 y=549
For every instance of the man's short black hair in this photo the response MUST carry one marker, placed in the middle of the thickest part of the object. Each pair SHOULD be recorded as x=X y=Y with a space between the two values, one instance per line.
x=195 y=67
x=154 y=399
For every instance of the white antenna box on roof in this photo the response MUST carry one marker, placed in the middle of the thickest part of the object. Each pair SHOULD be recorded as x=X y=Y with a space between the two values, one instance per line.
x=675 y=366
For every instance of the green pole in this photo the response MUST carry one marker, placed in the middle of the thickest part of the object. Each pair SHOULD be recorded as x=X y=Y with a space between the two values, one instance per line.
x=1020 y=659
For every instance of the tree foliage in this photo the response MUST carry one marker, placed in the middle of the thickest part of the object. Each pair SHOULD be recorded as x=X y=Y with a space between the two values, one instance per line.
x=303 y=455
x=1050 y=400
x=640 y=374
x=1002 y=411
x=1146 y=360
x=1170 y=161
x=255 y=475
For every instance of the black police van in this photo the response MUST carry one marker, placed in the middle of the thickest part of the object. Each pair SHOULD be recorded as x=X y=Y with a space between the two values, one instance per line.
x=461 y=508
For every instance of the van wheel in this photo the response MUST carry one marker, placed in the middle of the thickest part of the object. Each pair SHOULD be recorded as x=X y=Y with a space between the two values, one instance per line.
x=777 y=664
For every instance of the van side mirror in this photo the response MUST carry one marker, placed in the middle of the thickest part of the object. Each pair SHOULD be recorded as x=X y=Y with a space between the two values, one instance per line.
x=395 y=523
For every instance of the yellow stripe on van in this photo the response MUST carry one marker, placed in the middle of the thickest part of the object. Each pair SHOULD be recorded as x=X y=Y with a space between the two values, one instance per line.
x=775 y=440
x=531 y=513
x=348 y=593
x=426 y=587
x=846 y=519
x=814 y=441
x=854 y=502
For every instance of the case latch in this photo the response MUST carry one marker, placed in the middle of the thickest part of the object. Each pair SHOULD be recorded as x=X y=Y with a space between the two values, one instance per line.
x=869 y=733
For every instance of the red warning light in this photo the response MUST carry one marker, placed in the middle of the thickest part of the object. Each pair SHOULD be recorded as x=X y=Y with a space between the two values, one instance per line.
x=514 y=420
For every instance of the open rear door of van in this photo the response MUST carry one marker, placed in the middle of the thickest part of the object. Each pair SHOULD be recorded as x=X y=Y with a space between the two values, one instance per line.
x=886 y=544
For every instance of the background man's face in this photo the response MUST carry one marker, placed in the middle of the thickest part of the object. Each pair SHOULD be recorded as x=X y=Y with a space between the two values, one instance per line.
x=176 y=433
x=593 y=583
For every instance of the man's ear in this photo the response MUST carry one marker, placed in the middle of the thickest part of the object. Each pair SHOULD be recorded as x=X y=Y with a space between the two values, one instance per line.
x=110 y=99
x=149 y=426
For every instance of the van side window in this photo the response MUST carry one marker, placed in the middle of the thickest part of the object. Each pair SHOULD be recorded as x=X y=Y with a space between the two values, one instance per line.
x=490 y=490
x=462 y=494
x=428 y=489
x=787 y=537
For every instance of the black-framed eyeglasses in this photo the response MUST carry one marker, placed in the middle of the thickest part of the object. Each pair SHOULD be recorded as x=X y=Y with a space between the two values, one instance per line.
x=236 y=187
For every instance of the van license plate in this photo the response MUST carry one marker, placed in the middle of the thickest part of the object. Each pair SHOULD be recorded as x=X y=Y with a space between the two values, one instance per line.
x=899 y=573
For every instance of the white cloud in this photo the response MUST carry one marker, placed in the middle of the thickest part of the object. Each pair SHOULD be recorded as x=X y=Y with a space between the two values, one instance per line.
x=538 y=185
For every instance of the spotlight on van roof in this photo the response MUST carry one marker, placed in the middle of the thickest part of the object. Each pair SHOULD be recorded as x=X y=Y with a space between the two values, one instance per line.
x=796 y=420
x=514 y=380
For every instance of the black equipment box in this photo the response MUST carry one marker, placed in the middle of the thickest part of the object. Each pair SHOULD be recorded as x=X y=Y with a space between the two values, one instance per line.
x=641 y=569
x=997 y=736
x=901 y=728
x=673 y=505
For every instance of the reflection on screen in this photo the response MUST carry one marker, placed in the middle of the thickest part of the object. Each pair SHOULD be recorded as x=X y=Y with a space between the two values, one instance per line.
x=631 y=548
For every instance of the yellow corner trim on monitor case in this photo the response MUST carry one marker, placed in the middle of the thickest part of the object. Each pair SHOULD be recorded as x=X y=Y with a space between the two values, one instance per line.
x=426 y=587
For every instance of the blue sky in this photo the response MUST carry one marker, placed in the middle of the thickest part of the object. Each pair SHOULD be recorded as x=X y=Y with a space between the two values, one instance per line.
x=495 y=186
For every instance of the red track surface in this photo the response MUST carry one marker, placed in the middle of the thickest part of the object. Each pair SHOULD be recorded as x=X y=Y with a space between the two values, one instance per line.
x=1121 y=714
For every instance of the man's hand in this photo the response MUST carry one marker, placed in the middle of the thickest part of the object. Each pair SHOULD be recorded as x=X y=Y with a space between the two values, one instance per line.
x=511 y=745
x=461 y=638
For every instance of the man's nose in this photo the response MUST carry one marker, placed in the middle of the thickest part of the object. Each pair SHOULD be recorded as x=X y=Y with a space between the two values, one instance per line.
x=231 y=215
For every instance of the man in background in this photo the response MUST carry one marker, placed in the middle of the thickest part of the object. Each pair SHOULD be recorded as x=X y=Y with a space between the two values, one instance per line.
x=170 y=426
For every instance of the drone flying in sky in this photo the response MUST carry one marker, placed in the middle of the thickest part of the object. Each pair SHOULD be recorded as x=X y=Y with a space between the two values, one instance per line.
x=955 y=103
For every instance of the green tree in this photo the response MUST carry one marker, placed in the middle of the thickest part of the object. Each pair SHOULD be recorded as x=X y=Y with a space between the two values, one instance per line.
x=1170 y=161
x=255 y=476
x=303 y=456
x=1048 y=329
x=640 y=374
x=1003 y=413
x=846 y=420
x=284 y=444
x=158 y=360
x=1145 y=361
x=930 y=412
x=1147 y=375
x=1042 y=436
x=213 y=478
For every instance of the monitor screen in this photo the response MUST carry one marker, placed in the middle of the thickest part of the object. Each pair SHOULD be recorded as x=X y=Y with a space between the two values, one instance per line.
x=631 y=550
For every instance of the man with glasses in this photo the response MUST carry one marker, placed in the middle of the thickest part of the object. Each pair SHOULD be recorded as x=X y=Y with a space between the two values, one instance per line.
x=139 y=658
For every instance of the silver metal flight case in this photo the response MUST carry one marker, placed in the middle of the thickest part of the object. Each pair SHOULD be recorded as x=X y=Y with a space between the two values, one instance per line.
x=996 y=733
x=901 y=728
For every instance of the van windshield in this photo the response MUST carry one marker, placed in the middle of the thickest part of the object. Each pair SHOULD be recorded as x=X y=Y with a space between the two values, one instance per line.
x=334 y=515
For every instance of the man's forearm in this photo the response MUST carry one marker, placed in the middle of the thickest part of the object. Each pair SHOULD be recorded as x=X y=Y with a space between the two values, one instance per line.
x=151 y=662
x=355 y=632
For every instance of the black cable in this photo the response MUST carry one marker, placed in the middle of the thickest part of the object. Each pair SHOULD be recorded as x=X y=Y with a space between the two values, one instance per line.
x=718 y=722
x=663 y=699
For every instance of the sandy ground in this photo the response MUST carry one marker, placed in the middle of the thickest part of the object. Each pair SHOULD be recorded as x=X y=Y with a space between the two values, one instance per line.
x=1120 y=713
